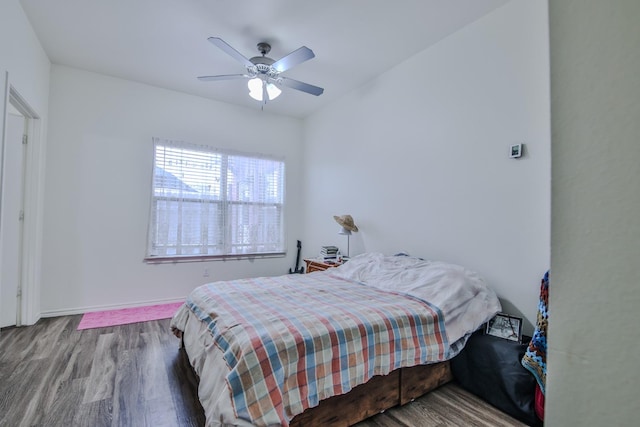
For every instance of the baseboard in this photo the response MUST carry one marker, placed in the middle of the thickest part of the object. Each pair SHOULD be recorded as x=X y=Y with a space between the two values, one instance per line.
x=82 y=310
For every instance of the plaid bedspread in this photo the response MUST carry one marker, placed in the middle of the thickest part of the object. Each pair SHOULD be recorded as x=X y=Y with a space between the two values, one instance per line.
x=291 y=341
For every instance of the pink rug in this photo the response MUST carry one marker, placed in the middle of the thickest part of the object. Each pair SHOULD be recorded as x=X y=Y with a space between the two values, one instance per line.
x=101 y=319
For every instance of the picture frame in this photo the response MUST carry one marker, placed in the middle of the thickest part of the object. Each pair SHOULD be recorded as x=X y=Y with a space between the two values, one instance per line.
x=505 y=326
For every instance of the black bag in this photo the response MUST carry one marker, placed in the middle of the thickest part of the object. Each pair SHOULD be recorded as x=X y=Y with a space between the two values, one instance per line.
x=490 y=368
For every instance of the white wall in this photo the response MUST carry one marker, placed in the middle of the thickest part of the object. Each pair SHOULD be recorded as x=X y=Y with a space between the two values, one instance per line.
x=419 y=156
x=27 y=66
x=594 y=289
x=23 y=57
x=98 y=187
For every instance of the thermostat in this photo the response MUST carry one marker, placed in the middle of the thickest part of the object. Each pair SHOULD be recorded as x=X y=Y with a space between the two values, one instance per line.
x=516 y=151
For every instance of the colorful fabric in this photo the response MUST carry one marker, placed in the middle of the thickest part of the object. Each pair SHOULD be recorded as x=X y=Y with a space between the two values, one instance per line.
x=535 y=358
x=538 y=402
x=289 y=344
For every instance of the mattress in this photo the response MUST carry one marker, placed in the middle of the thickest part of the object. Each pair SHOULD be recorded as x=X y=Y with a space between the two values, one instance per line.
x=266 y=349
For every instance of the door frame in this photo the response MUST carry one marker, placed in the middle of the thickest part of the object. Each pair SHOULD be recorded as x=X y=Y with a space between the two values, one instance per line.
x=29 y=303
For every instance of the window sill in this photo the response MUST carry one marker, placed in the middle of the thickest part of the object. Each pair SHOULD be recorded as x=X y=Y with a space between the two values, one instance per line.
x=204 y=258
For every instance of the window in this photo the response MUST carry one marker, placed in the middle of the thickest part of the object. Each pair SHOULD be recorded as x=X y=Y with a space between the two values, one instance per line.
x=212 y=203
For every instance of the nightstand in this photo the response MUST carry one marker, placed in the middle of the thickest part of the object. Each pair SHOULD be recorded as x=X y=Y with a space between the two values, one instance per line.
x=318 y=264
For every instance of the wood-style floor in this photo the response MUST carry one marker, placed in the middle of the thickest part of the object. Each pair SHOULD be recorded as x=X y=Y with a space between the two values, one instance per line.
x=135 y=375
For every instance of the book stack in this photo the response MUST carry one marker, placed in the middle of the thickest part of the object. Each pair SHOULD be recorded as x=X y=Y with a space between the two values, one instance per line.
x=329 y=253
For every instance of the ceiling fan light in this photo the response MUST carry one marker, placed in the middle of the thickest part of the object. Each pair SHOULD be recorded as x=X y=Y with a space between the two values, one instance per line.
x=255 y=88
x=273 y=91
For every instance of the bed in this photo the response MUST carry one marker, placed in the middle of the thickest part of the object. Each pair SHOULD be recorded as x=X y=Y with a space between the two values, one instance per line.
x=331 y=347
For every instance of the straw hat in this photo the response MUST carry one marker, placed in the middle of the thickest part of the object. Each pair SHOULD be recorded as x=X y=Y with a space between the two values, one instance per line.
x=346 y=221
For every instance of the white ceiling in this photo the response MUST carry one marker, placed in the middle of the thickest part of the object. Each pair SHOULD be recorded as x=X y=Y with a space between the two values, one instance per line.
x=164 y=42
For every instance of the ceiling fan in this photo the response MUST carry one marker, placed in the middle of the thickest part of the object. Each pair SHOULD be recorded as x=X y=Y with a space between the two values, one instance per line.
x=264 y=73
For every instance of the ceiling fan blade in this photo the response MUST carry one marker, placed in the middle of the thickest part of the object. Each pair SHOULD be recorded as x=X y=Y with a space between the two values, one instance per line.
x=230 y=51
x=222 y=77
x=296 y=57
x=304 y=87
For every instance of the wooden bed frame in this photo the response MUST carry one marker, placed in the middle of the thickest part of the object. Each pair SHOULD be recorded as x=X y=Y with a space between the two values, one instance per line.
x=378 y=394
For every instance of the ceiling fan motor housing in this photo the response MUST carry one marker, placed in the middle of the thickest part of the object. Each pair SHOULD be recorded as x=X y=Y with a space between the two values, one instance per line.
x=262 y=64
x=263 y=60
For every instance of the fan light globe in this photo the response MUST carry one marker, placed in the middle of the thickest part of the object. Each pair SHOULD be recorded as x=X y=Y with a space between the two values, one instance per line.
x=255 y=89
x=273 y=91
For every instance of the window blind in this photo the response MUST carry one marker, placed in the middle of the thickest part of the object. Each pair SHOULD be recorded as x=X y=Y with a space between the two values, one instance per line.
x=207 y=202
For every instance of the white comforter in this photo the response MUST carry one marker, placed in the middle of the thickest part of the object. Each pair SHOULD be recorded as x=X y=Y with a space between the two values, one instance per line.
x=463 y=297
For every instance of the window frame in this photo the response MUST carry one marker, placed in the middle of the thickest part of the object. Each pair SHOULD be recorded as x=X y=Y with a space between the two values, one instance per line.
x=225 y=205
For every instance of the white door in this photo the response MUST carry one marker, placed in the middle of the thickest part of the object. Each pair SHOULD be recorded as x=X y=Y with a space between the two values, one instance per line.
x=11 y=217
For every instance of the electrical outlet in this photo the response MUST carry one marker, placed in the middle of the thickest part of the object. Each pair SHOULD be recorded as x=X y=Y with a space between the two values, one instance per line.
x=206 y=273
